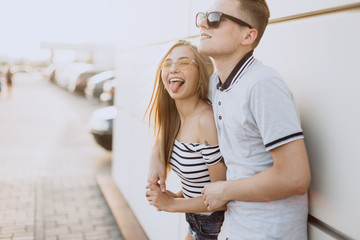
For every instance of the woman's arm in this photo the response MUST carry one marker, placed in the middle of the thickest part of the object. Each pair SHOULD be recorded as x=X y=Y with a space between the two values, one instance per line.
x=157 y=170
x=165 y=201
x=217 y=172
x=171 y=202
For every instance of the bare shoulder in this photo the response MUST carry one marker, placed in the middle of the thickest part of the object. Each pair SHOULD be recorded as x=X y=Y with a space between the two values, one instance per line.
x=206 y=118
x=207 y=127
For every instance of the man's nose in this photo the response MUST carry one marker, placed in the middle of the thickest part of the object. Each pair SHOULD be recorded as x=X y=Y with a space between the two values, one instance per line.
x=203 y=23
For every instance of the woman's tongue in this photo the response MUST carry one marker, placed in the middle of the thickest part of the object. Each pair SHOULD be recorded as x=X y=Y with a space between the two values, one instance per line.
x=174 y=86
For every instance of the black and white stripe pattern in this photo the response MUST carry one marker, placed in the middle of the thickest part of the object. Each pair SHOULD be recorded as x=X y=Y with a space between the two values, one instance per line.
x=189 y=161
x=283 y=140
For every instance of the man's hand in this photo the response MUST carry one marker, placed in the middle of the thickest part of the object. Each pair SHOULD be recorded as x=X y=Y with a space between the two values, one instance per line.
x=212 y=195
x=156 y=173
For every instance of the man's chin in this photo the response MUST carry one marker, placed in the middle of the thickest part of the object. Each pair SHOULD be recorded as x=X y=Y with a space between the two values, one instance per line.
x=203 y=49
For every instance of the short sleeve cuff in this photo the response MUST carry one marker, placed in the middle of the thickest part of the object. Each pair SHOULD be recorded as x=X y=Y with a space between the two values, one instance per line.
x=284 y=140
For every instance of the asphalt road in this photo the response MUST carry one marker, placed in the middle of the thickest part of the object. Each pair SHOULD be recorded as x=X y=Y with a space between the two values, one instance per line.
x=48 y=164
x=44 y=132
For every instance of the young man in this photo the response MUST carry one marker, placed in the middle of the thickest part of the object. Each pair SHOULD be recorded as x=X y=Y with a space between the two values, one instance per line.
x=258 y=127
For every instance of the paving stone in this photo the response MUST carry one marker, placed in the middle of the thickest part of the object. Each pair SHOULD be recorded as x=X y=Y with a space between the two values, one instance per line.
x=24 y=235
x=72 y=237
x=6 y=235
x=48 y=165
x=55 y=208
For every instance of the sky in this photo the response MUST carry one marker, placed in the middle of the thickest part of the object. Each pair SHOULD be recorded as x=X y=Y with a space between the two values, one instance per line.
x=27 y=23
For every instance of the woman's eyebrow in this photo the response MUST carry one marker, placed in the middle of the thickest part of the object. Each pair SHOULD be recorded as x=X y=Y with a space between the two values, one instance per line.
x=167 y=59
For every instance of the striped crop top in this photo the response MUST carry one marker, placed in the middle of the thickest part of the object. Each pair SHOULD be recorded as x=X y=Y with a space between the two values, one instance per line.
x=190 y=161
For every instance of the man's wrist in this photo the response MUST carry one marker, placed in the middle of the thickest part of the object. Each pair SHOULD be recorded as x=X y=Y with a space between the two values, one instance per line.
x=226 y=191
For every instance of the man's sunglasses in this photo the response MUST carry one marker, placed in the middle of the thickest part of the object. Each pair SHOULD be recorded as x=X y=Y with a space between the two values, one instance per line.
x=183 y=63
x=213 y=19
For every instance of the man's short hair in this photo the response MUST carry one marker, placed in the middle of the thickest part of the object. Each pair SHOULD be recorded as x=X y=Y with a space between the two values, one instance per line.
x=257 y=13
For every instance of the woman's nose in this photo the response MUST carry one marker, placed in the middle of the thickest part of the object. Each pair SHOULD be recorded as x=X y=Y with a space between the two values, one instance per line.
x=174 y=68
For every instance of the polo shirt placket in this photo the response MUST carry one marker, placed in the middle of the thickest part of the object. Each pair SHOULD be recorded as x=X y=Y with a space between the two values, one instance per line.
x=219 y=108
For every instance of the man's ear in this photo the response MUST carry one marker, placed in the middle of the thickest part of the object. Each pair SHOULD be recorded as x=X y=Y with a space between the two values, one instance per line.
x=250 y=36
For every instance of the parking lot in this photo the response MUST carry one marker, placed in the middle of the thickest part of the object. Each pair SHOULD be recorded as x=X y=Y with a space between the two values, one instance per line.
x=48 y=164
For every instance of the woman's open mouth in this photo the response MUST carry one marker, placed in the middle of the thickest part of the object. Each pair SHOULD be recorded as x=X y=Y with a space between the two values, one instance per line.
x=175 y=84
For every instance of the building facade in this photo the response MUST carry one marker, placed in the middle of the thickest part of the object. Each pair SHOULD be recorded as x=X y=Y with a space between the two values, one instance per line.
x=314 y=46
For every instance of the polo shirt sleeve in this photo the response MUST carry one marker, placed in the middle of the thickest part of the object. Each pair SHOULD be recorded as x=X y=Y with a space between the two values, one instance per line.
x=275 y=112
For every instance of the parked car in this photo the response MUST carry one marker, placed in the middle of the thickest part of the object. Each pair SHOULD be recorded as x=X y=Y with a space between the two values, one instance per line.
x=108 y=92
x=66 y=74
x=22 y=68
x=50 y=73
x=79 y=84
x=94 y=86
x=101 y=126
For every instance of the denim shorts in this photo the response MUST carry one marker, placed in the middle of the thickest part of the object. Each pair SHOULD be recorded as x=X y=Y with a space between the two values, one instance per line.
x=204 y=227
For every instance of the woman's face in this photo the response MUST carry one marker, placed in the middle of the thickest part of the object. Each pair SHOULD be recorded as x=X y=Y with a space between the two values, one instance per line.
x=181 y=83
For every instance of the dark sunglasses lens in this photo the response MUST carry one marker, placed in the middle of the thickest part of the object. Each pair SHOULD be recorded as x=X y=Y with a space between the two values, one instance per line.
x=199 y=17
x=214 y=20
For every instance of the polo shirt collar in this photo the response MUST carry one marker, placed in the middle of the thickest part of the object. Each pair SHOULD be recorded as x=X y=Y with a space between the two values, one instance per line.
x=239 y=67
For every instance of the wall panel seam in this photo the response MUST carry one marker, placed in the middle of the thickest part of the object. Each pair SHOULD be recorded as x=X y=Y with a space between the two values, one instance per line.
x=316 y=13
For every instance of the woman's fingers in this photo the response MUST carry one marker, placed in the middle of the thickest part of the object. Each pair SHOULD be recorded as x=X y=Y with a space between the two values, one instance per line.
x=151 y=195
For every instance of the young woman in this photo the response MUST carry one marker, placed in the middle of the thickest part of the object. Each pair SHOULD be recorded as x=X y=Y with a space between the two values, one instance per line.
x=186 y=137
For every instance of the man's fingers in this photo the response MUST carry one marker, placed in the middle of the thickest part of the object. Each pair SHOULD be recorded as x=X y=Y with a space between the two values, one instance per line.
x=207 y=204
x=203 y=191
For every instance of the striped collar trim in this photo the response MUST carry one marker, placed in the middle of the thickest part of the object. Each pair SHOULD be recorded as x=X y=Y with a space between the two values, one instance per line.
x=237 y=72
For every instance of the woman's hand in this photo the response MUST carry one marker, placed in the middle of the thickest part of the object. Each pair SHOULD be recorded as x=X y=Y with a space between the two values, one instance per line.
x=163 y=201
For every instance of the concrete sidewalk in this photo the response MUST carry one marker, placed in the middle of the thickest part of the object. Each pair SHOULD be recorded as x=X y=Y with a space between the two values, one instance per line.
x=48 y=167
x=55 y=209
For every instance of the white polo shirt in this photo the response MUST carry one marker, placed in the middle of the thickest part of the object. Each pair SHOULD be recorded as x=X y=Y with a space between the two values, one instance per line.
x=255 y=112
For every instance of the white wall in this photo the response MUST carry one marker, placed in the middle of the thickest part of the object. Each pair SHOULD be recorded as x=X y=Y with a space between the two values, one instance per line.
x=317 y=56
x=283 y=8
x=151 y=24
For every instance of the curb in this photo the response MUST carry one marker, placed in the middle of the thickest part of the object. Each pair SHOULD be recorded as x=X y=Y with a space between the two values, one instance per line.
x=124 y=217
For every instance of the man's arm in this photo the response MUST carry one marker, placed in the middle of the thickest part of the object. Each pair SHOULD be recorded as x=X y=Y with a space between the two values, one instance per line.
x=289 y=176
x=157 y=169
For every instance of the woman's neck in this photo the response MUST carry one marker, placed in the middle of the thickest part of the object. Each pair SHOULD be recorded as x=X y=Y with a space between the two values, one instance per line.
x=187 y=107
